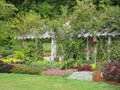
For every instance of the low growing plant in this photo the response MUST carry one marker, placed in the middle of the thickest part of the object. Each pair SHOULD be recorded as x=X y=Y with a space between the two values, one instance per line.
x=47 y=64
x=58 y=72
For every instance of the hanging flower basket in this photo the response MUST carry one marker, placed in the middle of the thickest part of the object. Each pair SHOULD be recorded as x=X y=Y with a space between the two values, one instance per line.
x=93 y=42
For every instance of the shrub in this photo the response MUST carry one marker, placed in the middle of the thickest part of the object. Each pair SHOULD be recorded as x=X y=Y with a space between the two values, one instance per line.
x=47 y=64
x=4 y=54
x=5 y=68
x=27 y=69
x=111 y=71
x=19 y=55
x=69 y=63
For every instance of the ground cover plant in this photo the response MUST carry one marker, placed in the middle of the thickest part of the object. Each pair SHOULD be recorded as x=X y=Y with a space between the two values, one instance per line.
x=58 y=72
x=39 y=82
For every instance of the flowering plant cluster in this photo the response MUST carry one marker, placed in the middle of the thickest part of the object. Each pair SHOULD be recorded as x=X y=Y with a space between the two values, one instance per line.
x=58 y=72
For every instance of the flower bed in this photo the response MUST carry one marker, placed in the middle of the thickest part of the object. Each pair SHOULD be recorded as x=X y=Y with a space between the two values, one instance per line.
x=58 y=72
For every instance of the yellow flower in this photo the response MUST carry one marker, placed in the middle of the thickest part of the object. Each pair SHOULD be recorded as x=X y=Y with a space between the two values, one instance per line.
x=59 y=62
x=104 y=59
x=93 y=66
x=44 y=61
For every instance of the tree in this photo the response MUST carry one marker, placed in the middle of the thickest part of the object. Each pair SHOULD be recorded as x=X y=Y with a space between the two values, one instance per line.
x=7 y=11
x=27 y=23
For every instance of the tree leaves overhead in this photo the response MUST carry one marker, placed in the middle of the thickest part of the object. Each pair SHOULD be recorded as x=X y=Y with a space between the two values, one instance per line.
x=6 y=10
x=29 y=22
x=30 y=15
x=87 y=18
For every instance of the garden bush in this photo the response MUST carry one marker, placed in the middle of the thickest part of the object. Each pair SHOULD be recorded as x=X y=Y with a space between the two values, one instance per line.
x=46 y=64
x=111 y=71
x=4 y=54
x=26 y=69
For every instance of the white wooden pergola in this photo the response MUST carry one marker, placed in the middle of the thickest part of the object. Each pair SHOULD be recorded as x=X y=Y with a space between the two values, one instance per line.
x=102 y=33
x=40 y=36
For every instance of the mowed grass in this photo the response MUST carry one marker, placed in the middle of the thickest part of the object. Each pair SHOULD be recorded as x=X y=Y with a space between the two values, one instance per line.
x=40 y=82
x=47 y=46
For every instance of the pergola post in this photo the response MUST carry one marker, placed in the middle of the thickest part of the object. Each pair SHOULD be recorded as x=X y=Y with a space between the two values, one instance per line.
x=109 y=43
x=22 y=43
x=53 y=47
x=87 y=56
x=36 y=42
x=95 y=50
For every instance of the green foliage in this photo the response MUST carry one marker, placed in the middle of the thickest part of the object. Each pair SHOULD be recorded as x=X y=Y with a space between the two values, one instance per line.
x=115 y=50
x=100 y=66
x=70 y=63
x=26 y=23
x=18 y=55
x=47 y=65
x=27 y=69
x=6 y=12
x=31 y=16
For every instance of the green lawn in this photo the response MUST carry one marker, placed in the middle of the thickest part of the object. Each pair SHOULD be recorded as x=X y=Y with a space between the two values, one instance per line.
x=47 y=46
x=39 y=82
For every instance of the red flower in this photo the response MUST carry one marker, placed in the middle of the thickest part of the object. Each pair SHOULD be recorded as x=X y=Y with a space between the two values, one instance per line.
x=93 y=42
x=85 y=50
